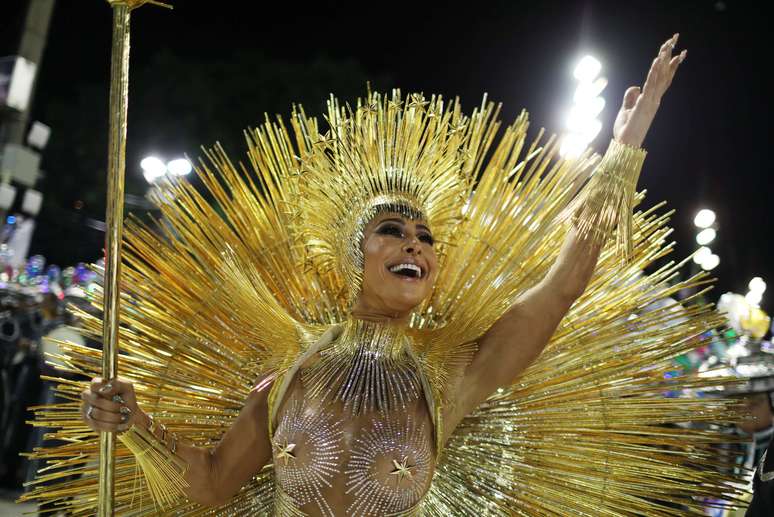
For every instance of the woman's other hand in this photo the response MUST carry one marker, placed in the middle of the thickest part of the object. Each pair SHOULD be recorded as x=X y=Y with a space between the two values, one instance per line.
x=110 y=406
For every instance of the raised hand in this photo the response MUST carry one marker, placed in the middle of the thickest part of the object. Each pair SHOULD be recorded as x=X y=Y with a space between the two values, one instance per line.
x=641 y=104
x=109 y=406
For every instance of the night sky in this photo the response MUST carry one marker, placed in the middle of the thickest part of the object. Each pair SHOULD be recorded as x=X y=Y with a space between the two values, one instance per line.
x=707 y=148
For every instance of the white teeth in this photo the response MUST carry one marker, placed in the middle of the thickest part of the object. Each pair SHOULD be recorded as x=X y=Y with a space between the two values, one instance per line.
x=412 y=267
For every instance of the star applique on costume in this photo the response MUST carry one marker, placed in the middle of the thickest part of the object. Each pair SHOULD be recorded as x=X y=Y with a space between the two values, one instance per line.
x=285 y=452
x=402 y=470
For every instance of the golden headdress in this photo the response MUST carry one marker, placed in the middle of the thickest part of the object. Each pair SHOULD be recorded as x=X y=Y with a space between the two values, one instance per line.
x=387 y=154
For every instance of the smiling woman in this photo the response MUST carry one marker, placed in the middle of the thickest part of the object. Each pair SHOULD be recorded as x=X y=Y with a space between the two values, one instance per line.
x=350 y=332
x=400 y=267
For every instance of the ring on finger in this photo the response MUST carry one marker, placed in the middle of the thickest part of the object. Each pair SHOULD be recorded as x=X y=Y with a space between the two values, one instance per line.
x=90 y=413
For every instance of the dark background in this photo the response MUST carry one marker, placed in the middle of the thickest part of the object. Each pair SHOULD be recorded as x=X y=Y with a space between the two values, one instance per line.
x=206 y=70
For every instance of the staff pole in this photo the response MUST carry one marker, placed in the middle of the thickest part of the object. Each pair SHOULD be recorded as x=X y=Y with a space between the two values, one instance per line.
x=114 y=218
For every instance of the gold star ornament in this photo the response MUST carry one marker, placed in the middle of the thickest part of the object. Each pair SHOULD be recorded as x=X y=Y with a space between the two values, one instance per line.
x=285 y=452
x=402 y=470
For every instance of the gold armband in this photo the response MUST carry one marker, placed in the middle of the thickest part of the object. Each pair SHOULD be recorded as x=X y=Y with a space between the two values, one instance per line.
x=608 y=198
x=163 y=471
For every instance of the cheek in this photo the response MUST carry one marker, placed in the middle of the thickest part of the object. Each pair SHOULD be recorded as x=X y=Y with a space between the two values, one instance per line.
x=374 y=253
x=371 y=247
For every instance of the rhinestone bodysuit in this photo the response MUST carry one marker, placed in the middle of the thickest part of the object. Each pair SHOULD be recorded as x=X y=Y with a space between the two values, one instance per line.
x=355 y=437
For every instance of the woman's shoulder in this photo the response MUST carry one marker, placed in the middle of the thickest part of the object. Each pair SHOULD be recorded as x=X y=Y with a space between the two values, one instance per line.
x=318 y=336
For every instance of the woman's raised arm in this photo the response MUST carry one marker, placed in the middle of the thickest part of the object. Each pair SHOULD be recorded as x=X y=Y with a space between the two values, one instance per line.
x=520 y=335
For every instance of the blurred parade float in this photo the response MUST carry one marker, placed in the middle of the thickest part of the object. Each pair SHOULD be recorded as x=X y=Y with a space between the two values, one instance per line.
x=739 y=352
x=742 y=353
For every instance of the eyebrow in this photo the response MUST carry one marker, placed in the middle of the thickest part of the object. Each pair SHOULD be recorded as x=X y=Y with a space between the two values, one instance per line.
x=401 y=221
x=393 y=220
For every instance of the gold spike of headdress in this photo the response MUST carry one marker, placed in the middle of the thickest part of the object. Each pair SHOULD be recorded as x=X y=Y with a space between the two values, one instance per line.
x=387 y=154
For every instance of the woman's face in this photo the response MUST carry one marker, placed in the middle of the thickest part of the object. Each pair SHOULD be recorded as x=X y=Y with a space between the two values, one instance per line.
x=400 y=264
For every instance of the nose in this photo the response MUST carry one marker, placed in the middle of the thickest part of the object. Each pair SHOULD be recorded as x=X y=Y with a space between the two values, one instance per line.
x=411 y=246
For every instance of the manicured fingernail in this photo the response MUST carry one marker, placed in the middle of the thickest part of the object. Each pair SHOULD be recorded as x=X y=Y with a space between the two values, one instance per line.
x=118 y=398
x=125 y=410
x=124 y=418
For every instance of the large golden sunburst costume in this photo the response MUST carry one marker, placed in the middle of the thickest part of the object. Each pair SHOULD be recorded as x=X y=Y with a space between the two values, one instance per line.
x=239 y=280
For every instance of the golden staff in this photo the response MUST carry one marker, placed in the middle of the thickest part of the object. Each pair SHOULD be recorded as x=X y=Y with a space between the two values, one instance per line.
x=114 y=219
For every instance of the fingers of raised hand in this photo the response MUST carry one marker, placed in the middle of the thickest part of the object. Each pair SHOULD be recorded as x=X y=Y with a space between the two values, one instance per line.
x=662 y=70
x=649 y=89
x=669 y=45
x=674 y=63
x=676 y=60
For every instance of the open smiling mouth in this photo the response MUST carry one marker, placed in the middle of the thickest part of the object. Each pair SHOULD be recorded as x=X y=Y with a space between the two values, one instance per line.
x=410 y=271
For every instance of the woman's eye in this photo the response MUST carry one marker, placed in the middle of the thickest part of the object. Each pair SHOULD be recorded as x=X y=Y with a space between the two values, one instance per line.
x=427 y=238
x=390 y=230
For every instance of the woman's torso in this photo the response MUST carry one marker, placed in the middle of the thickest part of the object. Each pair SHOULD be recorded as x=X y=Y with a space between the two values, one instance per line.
x=329 y=461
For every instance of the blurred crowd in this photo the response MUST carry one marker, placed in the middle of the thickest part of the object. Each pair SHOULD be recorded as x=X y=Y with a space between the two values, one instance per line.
x=34 y=316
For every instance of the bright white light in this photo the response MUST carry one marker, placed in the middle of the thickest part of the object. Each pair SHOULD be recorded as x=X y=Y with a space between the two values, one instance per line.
x=706 y=236
x=579 y=121
x=152 y=168
x=587 y=69
x=702 y=254
x=179 y=167
x=591 y=107
x=704 y=218
x=586 y=110
x=572 y=146
x=591 y=129
x=754 y=298
x=19 y=90
x=149 y=177
x=589 y=90
x=757 y=285
x=711 y=262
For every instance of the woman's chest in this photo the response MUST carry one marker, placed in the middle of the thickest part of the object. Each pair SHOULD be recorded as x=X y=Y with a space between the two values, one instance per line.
x=329 y=462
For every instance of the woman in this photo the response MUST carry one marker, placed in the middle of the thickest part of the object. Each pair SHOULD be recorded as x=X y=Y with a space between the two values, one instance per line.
x=354 y=416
